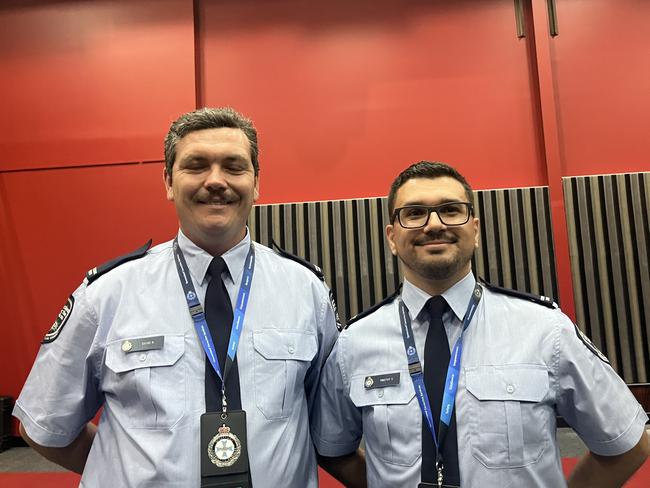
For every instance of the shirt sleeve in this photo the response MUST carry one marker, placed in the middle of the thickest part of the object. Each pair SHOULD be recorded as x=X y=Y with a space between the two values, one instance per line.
x=61 y=393
x=336 y=424
x=593 y=399
x=327 y=331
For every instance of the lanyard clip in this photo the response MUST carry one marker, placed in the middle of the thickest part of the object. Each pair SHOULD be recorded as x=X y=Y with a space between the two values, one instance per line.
x=440 y=477
x=224 y=403
x=415 y=368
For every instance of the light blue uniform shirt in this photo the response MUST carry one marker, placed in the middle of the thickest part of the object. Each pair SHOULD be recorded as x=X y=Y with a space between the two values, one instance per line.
x=522 y=365
x=149 y=431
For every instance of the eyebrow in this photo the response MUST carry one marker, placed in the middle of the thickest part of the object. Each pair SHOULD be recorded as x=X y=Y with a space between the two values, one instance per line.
x=423 y=204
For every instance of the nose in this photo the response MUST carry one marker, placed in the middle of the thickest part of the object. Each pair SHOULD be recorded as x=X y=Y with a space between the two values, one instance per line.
x=434 y=223
x=215 y=177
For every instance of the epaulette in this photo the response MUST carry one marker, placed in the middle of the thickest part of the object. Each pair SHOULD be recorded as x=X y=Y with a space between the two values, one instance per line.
x=540 y=300
x=312 y=267
x=375 y=307
x=96 y=272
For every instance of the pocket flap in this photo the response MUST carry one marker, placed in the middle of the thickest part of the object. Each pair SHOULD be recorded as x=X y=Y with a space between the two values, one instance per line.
x=399 y=394
x=119 y=361
x=285 y=344
x=517 y=382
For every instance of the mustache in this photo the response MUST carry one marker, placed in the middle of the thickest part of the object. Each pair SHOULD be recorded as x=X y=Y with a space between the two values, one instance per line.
x=220 y=195
x=435 y=236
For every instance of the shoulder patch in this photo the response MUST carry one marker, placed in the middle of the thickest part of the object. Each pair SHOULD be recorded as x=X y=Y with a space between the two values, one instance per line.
x=540 y=300
x=375 y=307
x=96 y=272
x=60 y=321
x=590 y=345
x=312 y=267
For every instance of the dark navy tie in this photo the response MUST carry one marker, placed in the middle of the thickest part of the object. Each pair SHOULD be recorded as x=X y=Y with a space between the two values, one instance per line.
x=218 y=315
x=436 y=362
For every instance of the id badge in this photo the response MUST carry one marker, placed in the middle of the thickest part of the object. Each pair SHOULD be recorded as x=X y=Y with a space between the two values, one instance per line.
x=224 y=454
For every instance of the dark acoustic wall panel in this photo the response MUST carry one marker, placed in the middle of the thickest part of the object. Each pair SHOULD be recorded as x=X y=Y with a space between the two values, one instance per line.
x=346 y=238
x=609 y=234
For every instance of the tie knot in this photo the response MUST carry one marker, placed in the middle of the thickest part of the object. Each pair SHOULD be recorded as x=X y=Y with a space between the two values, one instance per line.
x=437 y=306
x=216 y=267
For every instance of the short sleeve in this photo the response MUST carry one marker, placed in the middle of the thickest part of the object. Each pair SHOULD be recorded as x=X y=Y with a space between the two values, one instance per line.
x=336 y=424
x=327 y=332
x=61 y=393
x=593 y=399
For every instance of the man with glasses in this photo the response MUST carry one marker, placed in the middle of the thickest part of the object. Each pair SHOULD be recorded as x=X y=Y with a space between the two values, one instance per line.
x=456 y=383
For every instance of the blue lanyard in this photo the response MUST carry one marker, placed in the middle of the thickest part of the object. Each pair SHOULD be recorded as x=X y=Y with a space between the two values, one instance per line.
x=453 y=371
x=198 y=315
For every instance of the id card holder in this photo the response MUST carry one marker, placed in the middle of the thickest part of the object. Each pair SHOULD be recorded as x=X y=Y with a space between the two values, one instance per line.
x=224 y=453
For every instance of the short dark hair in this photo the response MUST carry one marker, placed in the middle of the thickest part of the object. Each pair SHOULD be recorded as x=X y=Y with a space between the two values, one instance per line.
x=209 y=118
x=427 y=169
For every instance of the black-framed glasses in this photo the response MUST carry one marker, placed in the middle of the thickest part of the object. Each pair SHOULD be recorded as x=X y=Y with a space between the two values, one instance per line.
x=417 y=216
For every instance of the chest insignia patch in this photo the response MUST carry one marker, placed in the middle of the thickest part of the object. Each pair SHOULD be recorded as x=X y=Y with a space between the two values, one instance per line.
x=60 y=321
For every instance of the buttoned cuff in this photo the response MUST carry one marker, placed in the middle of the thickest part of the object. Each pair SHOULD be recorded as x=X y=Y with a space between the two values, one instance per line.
x=624 y=442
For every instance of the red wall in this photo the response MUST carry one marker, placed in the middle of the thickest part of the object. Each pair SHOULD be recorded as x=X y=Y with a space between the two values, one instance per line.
x=345 y=95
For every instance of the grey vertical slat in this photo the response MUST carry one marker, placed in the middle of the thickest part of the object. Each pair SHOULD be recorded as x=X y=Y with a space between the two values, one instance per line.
x=364 y=285
x=603 y=280
x=518 y=235
x=574 y=251
x=351 y=253
x=531 y=242
x=393 y=274
x=639 y=185
x=629 y=270
x=377 y=244
x=340 y=270
x=326 y=230
x=504 y=239
x=491 y=254
x=620 y=317
x=479 y=258
x=544 y=248
x=316 y=237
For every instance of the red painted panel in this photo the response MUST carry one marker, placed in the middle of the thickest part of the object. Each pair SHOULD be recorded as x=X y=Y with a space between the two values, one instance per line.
x=57 y=224
x=601 y=62
x=347 y=94
x=92 y=82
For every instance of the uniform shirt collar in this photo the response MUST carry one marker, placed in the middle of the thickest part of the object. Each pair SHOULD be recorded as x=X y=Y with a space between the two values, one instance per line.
x=457 y=296
x=198 y=259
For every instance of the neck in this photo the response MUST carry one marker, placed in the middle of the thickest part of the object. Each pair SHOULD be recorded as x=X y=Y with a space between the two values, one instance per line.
x=213 y=245
x=435 y=287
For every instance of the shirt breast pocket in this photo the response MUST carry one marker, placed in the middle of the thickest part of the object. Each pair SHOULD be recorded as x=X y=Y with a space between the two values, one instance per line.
x=508 y=421
x=282 y=358
x=148 y=387
x=388 y=419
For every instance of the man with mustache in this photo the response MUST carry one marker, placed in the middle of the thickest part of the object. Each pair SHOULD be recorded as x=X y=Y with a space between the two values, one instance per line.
x=455 y=383
x=150 y=336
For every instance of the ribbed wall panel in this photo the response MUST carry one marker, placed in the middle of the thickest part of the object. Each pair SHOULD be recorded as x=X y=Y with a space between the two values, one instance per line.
x=346 y=239
x=609 y=235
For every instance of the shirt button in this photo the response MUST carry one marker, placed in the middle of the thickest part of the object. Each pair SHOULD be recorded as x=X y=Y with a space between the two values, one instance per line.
x=291 y=350
x=380 y=393
x=143 y=356
x=510 y=389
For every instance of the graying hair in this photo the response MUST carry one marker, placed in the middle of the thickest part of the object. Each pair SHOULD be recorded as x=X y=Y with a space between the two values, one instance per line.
x=209 y=118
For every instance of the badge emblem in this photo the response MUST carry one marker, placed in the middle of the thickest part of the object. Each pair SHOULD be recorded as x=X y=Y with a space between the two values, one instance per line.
x=369 y=382
x=225 y=448
x=60 y=321
x=127 y=346
x=410 y=351
x=191 y=295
